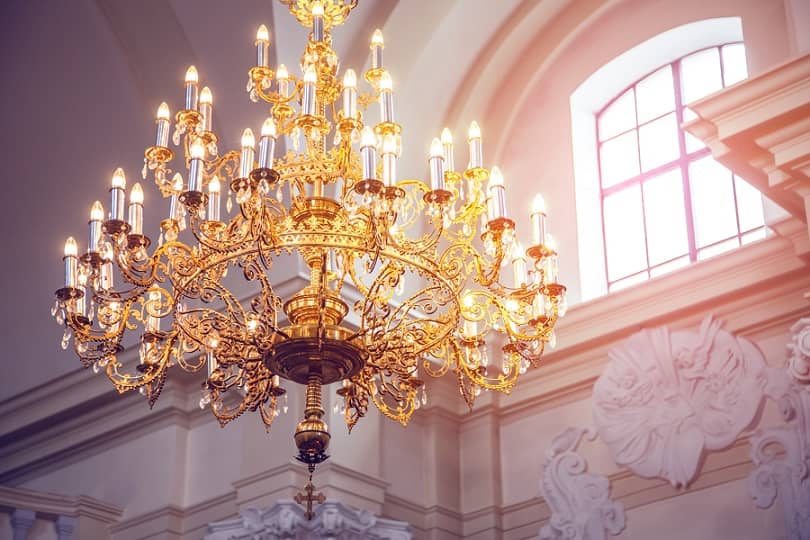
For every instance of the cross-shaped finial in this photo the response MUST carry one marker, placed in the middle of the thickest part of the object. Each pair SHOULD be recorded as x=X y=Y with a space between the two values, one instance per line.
x=310 y=497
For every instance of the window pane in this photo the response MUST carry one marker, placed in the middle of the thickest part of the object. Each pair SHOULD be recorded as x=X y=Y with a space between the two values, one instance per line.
x=624 y=233
x=665 y=216
x=700 y=75
x=670 y=266
x=712 y=201
x=628 y=282
x=659 y=142
x=618 y=117
x=619 y=159
x=753 y=236
x=735 y=68
x=717 y=249
x=655 y=95
x=749 y=205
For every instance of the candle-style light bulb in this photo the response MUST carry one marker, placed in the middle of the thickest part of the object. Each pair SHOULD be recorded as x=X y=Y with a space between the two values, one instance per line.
x=177 y=189
x=248 y=152
x=538 y=220
x=136 y=209
x=368 y=153
x=267 y=144
x=213 y=199
x=519 y=265
x=96 y=217
x=308 y=99
x=163 y=125
x=119 y=183
x=389 y=157
x=476 y=153
x=283 y=77
x=349 y=94
x=498 y=194
x=436 y=163
x=206 y=107
x=195 y=173
x=447 y=145
x=317 y=21
x=377 y=46
x=386 y=97
x=262 y=46
x=71 y=261
x=192 y=79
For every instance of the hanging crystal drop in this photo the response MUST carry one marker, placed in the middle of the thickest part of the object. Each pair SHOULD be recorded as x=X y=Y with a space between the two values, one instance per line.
x=336 y=140
x=229 y=202
x=295 y=135
x=552 y=339
x=54 y=308
x=65 y=339
x=96 y=369
x=60 y=317
x=249 y=85
x=144 y=170
x=477 y=390
x=424 y=396
x=484 y=358
x=562 y=306
x=279 y=194
x=264 y=187
x=416 y=403
x=176 y=137
x=466 y=229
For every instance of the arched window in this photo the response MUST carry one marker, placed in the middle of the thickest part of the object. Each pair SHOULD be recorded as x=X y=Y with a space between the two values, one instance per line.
x=664 y=201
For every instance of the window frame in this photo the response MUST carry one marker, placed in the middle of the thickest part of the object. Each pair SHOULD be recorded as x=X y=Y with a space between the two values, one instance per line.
x=681 y=163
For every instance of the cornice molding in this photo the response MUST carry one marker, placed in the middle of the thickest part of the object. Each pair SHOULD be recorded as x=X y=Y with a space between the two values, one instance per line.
x=59 y=505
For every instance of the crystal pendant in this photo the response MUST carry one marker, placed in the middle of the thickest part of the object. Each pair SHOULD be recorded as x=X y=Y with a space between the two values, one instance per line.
x=466 y=229
x=552 y=339
x=96 y=369
x=279 y=194
x=144 y=170
x=229 y=202
x=54 y=308
x=65 y=339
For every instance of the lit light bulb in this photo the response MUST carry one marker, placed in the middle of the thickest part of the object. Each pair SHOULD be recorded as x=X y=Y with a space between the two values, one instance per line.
x=71 y=248
x=350 y=79
x=163 y=111
x=447 y=137
x=136 y=194
x=214 y=185
x=262 y=34
x=474 y=132
x=538 y=205
x=310 y=76
x=389 y=145
x=177 y=182
x=377 y=39
x=191 y=75
x=205 y=96
x=386 y=83
x=269 y=128
x=436 y=149
x=248 y=141
x=468 y=300
x=495 y=177
x=317 y=9
x=96 y=211
x=197 y=149
x=282 y=73
x=119 y=179
x=367 y=137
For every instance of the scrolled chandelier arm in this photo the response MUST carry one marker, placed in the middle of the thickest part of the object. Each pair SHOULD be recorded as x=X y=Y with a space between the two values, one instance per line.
x=427 y=301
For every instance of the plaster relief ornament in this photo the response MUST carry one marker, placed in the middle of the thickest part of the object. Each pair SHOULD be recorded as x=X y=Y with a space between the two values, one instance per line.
x=665 y=398
x=580 y=503
x=799 y=349
x=286 y=520
x=782 y=456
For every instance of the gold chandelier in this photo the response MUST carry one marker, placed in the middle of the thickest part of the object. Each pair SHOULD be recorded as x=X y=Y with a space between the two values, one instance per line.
x=426 y=260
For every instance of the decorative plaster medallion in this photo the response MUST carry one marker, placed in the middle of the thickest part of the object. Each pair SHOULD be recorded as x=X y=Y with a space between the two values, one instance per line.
x=580 y=505
x=782 y=456
x=285 y=521
x=799 y=350
x=667 y=397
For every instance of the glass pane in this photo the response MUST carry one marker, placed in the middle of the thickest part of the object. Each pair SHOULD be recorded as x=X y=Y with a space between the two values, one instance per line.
x=693 y=144
x=619 y=159
x=749 y=205
x=624 y=233
x=618 y=117
x=700 y=75
x=655 y=95
x=659 y=142
x=628 y=282
x=735 y=68
x=753 y=236
x=713 y=209
x=665 y=217
x=717 y=249
x=670 y=266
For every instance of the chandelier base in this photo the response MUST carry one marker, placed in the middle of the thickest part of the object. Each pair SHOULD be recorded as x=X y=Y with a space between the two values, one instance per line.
x=305 y=351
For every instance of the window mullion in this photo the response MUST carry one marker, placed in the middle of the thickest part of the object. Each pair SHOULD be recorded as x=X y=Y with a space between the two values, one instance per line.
x=684 y=162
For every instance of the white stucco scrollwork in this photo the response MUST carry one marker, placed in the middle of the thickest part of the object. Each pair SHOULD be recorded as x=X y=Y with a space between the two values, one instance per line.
x=666 y=397
x=285 y=521
x=799 y=351
x=782 y=456
x=580 y=503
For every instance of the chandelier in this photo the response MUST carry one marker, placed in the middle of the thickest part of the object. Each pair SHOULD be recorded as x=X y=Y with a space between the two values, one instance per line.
x=426 y=264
